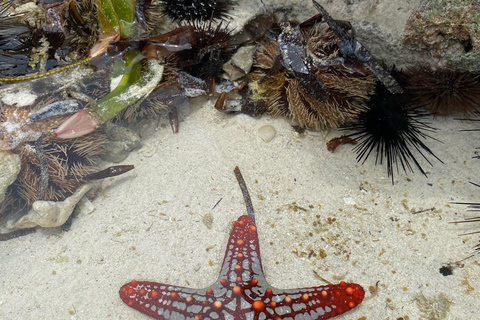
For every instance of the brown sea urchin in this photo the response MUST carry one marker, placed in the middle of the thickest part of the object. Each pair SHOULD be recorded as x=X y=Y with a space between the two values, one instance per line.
x=285 y=94
x=445 y=91
x=65 y=157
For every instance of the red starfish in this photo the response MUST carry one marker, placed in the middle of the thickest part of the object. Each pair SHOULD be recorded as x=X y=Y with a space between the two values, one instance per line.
x=241 y=291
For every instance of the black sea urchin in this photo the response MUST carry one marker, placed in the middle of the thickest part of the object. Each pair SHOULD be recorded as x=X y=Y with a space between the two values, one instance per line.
x=472 y=206
x=211 y=49
x=191 y=10
x=444 y=91
x=60 y=36
x=392 y=127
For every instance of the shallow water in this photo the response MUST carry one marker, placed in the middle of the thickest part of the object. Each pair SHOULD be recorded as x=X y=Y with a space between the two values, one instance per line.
x=316 y=211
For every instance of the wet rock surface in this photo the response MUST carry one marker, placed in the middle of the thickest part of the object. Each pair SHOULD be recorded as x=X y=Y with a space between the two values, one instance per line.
x=9 y=169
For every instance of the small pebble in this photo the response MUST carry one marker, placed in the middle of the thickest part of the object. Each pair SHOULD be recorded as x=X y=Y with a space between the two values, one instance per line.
x=349 y=201
x=267 y=133
x=208 y=220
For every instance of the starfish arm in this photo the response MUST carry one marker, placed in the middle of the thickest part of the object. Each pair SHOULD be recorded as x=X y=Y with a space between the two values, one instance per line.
x=242 y=261
x=316 y=303
x=167 y=302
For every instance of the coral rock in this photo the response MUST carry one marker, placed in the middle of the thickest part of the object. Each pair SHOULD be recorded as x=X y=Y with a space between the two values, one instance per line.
x=50 y=214
x=10 y=165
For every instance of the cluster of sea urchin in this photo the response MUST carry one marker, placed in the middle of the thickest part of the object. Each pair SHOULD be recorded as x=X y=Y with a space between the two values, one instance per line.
x=61 y=36
x=318 y=54
x=286 y=94
x=208 y=49
x=67 y=159
x=325 y=78
x=392 y=125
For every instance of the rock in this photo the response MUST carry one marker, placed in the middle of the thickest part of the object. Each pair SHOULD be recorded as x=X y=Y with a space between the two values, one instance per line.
x=401 y=33
x=267 y=133
x=50 y=214
x=208 y=220
x=379 y=24
x=240 y=63
x=120 y=142
x=448 y=30
x=10 y=165
x=18 y=96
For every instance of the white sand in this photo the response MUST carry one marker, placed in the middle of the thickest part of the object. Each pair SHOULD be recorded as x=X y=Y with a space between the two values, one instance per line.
x=147 y=224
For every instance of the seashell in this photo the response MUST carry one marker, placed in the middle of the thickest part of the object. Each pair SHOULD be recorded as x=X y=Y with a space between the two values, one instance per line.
x=267 y=133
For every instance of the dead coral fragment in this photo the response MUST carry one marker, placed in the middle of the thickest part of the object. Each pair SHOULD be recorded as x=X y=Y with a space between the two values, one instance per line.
x=445 y=91
x=50 y=214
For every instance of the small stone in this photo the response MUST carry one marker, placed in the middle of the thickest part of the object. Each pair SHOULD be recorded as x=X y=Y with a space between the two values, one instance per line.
x=349 y=201
x=120 y=142
x=267 y=133
x=240 y=64
x=9 y=168
x=208 y=220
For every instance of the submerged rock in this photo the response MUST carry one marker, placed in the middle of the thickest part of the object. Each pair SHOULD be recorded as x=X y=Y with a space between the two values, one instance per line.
x=50 y=214
x=9 y=168
x=240 y=63
x=447 y=30
x=120 y=142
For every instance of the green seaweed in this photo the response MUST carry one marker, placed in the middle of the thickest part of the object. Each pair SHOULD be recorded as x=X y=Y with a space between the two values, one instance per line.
x=135 y=75
x=120 y=16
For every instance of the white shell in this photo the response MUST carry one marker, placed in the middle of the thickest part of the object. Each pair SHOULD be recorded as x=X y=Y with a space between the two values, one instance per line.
x=267 y=133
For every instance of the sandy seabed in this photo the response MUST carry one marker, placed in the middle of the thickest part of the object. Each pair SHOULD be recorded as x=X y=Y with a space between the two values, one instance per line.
x=315 y=211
